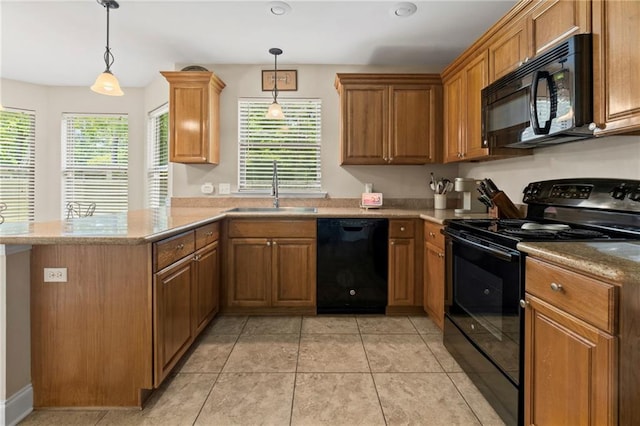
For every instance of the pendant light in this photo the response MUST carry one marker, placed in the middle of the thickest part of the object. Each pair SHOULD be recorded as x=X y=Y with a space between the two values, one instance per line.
x=275 y=110
x=107 y=83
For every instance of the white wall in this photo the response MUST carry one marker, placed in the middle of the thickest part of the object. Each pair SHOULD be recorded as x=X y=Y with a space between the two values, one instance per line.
x=50 y=103
x=611 y=157
x=314 y=81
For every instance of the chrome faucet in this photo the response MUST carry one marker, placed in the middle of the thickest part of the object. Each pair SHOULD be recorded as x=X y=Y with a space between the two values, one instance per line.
x=274 y=185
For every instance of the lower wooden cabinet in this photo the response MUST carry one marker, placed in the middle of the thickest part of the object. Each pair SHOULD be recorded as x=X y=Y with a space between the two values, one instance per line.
x=434 y=270
x=206 y=293
x=571 y=348
x=173 y=332
x=405 y=267
x=271 y=264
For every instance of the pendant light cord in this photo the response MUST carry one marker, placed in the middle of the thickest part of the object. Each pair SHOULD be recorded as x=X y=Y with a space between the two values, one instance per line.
x=108 y=56
x=275 y=79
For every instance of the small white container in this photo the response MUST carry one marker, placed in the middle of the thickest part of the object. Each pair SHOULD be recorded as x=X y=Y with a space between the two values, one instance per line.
x=440 y=201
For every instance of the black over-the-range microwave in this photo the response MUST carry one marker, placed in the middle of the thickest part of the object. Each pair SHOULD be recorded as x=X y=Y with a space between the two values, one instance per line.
x=547 y=100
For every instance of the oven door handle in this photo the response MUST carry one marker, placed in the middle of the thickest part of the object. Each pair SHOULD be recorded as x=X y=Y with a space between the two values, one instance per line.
x=507 y=255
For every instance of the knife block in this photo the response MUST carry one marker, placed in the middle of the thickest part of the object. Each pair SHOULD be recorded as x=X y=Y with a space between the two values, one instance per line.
x=506 y=208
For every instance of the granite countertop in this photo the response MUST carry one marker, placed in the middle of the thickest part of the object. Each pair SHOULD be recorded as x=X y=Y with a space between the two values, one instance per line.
x=614 y=261
x=147 y=225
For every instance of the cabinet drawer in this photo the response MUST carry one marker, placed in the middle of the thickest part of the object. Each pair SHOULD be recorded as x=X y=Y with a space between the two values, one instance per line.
x=586 y=298
x=270 y=228
x=433 y=235
x=207 y=234
x=172 y=249
x=401 y=229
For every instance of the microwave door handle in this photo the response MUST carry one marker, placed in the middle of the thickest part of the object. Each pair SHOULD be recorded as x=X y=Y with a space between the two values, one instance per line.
x=533 y=104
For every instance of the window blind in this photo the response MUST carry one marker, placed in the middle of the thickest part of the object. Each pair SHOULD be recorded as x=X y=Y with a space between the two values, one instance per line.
x=17 y=164
x=294 y=142
x=158 y=157
x=95 y=151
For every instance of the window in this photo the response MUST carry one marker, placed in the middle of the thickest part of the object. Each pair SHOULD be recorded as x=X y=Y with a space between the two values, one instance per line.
x=294 y=142
x=17 y=164
x=95 y=150
x=158 y=160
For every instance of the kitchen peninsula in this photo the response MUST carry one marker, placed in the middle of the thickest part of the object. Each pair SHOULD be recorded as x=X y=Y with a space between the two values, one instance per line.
x=114 y=330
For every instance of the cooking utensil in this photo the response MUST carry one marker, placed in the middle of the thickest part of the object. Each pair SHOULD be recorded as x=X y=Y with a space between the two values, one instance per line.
x=433 y=182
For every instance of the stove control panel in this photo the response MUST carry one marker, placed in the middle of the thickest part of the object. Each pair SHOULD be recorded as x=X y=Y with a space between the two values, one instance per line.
x=594 y=193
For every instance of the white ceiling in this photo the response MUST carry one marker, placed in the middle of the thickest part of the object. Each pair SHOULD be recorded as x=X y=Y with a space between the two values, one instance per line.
x=54 y=42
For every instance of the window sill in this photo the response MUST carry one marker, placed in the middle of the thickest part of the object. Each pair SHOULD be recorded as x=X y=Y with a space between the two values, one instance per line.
x=261 y=194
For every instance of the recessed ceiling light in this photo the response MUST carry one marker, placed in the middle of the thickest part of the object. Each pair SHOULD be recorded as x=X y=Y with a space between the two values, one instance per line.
x=279 y=8
x=404 y=9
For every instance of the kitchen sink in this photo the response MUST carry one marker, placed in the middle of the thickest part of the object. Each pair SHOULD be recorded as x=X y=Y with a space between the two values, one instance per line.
x=273 y=210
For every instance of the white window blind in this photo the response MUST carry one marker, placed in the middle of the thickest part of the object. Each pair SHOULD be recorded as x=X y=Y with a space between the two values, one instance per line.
x=294 y=142
x=158 y=157
x=17 y=164
x=95 y=150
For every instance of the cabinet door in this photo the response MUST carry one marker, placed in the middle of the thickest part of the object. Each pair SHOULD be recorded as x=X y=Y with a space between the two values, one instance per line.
x=365 y=124
x=555 y=20
x=294 y=272
x=434 y=283
x=476 y=78
x=453 y=118
x=207 y=285
x=570 y=369
x=250 y=272
x=172 y=316
x=616 y=61
x=509 y=49
x=402 y=272
x=414 y=123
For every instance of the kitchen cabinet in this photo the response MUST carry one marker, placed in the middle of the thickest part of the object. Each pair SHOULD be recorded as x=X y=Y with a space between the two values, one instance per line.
x=463 y=114
x=552 y=21
x=509 y=48
x=389 y=118
x=434 y=270
x=186 y=288
x=271 y=265
x=405 y=269
x=571 y=364
x=616 y=60
x=194 y=116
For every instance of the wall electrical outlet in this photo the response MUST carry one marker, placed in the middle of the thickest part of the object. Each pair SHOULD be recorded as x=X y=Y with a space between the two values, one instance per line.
x=224 y=189
x=55 y=275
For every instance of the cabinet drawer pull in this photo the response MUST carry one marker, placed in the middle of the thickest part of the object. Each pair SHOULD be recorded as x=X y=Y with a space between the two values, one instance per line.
x=556 y=287
x=432 y=234
x=180 y=247
x=441 y=255
x=402 y=228
x=197 y=257
x=208 y=234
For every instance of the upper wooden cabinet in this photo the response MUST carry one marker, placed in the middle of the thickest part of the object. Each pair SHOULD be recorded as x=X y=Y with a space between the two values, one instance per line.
x=538 y=26
x=616 y=56
x=194 y=122
x=509 y=48
x=389 y=118
x=463 y=114
x=552 y=21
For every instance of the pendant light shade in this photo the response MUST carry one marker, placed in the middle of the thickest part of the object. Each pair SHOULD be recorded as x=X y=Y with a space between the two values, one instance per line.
x=275 y=110
x=107 y=83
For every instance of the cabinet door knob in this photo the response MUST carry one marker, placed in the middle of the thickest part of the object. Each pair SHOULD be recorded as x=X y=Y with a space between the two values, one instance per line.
x=402 y=228
x=197 y=257
x=179 y=246
x=393 y=243
x=524 y=303
x=274 y=243
x=268 y=243
x=594 y=126
x=432 y=234
x=440 y=255
x=208 y=234
x=556 y=287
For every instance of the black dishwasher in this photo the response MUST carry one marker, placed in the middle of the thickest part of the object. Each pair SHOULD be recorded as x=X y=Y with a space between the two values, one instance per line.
x=352 y=266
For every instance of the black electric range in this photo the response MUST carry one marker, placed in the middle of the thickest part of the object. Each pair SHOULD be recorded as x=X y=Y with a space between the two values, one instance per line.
x=485 y=275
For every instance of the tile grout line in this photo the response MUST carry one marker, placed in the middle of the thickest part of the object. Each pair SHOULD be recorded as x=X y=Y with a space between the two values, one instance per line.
x=218 y=375
x=295 y=374
x=463 y=398
x=373 y=379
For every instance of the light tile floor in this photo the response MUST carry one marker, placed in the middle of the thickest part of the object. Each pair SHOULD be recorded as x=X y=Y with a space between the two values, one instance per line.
x=323 y=370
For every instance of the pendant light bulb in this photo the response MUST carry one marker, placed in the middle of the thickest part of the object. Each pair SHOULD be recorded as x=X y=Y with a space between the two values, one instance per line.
x=275 y=110
x=107 y=83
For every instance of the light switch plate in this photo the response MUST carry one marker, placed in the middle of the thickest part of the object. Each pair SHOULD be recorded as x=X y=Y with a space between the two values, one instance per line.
x=224 y=189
